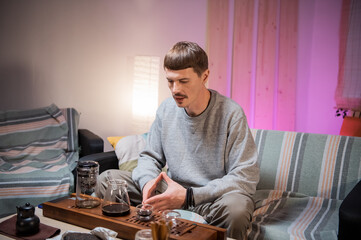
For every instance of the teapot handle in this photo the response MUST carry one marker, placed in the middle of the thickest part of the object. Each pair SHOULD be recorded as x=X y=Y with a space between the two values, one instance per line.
x=19 y=214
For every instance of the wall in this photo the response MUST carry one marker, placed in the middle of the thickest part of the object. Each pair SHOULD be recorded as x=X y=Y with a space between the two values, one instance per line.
x=79 y=53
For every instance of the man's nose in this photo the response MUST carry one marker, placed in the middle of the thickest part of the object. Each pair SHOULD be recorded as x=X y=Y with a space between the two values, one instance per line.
x=176 y=87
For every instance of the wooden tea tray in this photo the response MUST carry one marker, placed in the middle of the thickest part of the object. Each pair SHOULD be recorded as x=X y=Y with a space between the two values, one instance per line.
x=126 y=226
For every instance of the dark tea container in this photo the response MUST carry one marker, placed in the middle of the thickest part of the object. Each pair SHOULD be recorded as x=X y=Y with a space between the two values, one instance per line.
x=87 y=175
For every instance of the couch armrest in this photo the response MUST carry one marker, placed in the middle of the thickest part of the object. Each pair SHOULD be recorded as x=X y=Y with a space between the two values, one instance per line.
x=89 y=143
x=106 y=160
x=350 y=214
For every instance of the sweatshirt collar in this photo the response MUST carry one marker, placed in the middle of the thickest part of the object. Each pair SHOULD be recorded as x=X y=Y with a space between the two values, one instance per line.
x=204 y=114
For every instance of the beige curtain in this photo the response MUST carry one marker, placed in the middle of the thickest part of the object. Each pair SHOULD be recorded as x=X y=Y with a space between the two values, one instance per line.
x=348 y=92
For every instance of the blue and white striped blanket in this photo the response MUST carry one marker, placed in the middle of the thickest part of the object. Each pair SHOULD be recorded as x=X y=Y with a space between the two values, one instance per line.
x=38 y=151
x=304 y=178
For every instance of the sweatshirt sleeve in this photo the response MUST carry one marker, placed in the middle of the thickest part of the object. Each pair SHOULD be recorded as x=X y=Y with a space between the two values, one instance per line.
x=241 y=166
x=151 y=160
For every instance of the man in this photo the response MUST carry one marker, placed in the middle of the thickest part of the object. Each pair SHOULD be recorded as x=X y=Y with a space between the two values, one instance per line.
x=204 y=139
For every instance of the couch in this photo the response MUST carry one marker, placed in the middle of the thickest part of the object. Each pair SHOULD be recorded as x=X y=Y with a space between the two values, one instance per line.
x=39 y=151
x=304 y=180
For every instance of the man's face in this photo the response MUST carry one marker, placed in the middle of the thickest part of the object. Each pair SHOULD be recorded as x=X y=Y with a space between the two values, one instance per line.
x=186 y=87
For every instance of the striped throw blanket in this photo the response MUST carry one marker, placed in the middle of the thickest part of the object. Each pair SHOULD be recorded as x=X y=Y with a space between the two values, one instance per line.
x=38 y=151
x=304 y=178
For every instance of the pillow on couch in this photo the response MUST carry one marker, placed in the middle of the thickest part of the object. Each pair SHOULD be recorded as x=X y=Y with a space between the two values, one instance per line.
x=128 y=149
x=114 y=140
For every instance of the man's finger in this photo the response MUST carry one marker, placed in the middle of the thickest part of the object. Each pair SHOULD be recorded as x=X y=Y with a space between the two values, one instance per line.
x=150 y=187
x=158 y=204
x=166 y=178
x=158 y=179
x=149 y=193
x=154 y=199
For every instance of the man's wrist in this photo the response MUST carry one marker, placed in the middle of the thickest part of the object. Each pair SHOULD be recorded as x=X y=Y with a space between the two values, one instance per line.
x=189 y=201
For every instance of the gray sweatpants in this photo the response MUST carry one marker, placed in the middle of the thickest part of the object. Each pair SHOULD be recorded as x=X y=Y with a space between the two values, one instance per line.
x=232 y=211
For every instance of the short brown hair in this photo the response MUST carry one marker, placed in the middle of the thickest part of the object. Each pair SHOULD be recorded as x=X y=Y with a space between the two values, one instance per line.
x=186 y=55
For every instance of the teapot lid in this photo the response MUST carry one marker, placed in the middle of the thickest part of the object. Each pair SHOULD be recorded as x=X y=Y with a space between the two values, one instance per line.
x=27 y=207
x=88 y=164
x=87 y=167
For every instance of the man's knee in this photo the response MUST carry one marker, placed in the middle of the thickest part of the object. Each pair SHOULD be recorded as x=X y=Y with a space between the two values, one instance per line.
x=102 y=184
x=234 y=212
x=239 y=208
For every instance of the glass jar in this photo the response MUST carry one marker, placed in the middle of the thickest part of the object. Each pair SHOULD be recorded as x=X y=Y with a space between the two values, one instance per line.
x=144 y=234
x=87 y=175
x=171 y=217
x=116 y=200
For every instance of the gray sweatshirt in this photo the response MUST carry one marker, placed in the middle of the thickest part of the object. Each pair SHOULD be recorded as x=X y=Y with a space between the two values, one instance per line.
x=214 y=152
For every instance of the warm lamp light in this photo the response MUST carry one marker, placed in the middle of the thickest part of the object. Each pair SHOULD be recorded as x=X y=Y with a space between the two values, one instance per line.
x=145 y=90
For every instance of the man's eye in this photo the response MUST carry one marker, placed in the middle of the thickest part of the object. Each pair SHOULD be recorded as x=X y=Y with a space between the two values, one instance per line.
x=183 y=81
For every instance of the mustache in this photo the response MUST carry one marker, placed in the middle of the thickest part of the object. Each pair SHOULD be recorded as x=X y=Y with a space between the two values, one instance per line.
x=180 y=95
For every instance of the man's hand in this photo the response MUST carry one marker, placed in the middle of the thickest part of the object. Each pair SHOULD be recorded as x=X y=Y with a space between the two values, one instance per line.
x=150 y=187
x=174 y=197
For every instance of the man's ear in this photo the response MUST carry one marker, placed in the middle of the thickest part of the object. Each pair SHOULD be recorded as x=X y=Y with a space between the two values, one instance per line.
x=205 y=76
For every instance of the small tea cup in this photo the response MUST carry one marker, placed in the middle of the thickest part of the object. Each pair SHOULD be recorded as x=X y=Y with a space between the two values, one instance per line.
x=144 y=212
x=171 y=216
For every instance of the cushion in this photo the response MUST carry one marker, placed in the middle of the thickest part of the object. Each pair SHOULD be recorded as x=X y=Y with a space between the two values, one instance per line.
x=114 y=140
x=127 y=150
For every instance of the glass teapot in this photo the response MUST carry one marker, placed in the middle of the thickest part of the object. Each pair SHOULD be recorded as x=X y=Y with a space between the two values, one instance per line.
x=116 y=200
